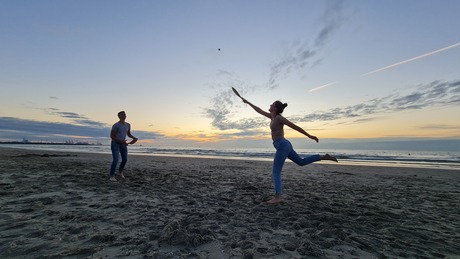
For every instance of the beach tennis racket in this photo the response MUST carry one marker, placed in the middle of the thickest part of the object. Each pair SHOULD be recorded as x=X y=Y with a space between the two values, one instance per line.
x=236 y=92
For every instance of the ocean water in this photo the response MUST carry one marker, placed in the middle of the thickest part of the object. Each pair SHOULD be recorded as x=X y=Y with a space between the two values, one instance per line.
x=395 y=158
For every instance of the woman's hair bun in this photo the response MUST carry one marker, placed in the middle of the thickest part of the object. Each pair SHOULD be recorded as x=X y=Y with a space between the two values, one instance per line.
x=280 y=106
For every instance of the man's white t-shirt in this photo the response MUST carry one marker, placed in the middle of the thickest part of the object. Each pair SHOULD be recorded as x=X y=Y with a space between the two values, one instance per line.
x=121 y=129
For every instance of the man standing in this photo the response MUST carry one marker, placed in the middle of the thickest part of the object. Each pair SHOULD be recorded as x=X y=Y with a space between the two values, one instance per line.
x=119 y=145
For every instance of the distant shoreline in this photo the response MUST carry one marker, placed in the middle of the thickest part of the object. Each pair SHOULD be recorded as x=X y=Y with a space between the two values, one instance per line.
x=368 y=158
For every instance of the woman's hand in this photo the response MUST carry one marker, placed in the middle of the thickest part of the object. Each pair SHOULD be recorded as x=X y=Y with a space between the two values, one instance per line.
x=314 y=138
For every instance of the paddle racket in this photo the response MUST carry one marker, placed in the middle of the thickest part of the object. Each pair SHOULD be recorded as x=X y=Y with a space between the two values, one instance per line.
x=236 y=92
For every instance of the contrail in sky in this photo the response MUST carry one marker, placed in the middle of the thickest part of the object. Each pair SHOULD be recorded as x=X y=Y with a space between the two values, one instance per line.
x=411 y=59
x=393 y=65
x=321 y=86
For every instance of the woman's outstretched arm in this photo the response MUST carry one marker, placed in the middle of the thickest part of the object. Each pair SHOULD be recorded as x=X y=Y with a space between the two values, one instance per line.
x=299 y=129
x=257 y=109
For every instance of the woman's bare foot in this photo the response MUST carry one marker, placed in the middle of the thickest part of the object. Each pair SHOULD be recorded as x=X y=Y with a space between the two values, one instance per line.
x=275 y=200
x=328 y=157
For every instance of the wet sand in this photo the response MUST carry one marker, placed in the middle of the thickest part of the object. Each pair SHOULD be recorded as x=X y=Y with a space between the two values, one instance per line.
x=61 y=204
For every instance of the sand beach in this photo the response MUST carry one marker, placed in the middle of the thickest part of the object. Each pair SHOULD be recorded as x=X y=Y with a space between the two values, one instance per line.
x=61 y=205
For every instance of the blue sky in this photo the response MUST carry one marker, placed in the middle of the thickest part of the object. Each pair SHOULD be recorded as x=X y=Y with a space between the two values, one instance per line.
x=348 y=69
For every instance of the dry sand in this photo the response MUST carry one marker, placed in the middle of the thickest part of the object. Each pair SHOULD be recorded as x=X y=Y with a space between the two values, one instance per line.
x=56 y=205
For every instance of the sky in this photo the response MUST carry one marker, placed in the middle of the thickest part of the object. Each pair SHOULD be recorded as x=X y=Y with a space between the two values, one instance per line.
x=348 y=70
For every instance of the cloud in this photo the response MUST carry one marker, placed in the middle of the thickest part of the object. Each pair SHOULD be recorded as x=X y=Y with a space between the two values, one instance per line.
x=16 y=129
x=220 y=113
x=440 y=127
x=76 y=118
x=219 y=110
x=434 y=94
x=437 y=93
x=222 y=103
x=299 y=56
x=332 y=18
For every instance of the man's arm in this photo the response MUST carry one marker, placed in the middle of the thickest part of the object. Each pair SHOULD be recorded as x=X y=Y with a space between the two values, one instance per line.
x=131 y=136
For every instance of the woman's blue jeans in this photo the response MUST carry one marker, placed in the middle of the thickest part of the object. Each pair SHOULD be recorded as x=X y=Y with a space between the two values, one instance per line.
x=284 y=150
x=117 y=150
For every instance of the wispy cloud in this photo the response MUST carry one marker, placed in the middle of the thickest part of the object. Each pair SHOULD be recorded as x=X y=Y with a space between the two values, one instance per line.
x=220 y=111
x=75 y=118
x=434 y=94
x=299 y=56
x=440 y=127
x=437 y=93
